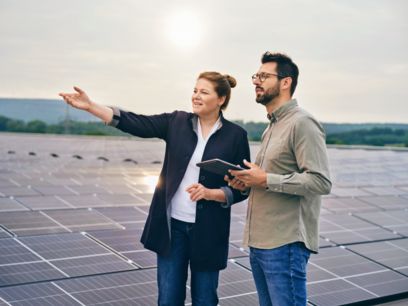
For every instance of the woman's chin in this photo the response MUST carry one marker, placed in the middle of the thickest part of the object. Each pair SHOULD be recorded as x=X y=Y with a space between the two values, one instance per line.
x=196 y=111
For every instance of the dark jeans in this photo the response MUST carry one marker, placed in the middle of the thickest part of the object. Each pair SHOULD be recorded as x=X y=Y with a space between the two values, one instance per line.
x=280 y=274
x=172 y=272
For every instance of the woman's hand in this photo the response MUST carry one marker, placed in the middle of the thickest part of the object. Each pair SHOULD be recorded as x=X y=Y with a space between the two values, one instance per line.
x=198 y=192
x=78 y=100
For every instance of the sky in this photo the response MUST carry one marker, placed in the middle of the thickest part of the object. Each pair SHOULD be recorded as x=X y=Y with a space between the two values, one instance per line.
x=145 y=56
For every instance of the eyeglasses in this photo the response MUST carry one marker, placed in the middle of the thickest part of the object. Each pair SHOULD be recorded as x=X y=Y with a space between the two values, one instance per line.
x=263 y=76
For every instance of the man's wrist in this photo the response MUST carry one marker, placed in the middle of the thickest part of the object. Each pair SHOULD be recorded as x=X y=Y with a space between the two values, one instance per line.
x=264 y=182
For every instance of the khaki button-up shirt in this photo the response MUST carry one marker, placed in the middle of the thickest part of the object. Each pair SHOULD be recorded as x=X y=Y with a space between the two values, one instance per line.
x=293 y=154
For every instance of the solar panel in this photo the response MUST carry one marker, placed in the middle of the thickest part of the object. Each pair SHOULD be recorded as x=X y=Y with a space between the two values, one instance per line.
x=28 y=272
x=396 y=221
x=143 y=258
x=383 y=191
x=337 y=276
x=63 y=246
x=120 y=240
x=346 y=205
x=13 y=252
x=349 y=192
x=17 y=191
x=393 y=254
x=234 y=252
x=336 y=292
x=7 y=204
x=87 y=189
x=53 y=190
x=43 y=202
x=4 y=234
x=127 y=288
x=83 y=201
x=123 y=214
x=347 y=229
x=384 y=283
x=93 y=265
x=343 y=263
x=30 y=223
x=240 y=300
x=82 y=219
x=387 y=202
x=121 y=199
x=37 y=295
x=244 y=262
x=146 y=197
x=93 y=268
x=6 y=183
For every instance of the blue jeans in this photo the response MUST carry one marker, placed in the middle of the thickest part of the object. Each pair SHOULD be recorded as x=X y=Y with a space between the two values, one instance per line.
x=172 y=272
x=280 y=274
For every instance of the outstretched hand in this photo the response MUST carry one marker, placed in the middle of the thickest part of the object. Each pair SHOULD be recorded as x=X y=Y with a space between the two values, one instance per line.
x=79 y=99
x=254 y=176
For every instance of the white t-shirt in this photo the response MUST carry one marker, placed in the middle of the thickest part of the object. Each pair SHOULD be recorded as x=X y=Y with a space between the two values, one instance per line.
x=182 y=208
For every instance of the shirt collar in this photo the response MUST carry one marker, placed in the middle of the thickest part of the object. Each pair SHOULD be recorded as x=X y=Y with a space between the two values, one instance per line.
x=194 y=121
x=281 y=111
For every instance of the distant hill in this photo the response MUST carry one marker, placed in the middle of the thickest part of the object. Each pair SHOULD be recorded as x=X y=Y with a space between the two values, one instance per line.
x=255 y=129
x=46 y=110
x=53 y=111
x=336 y=128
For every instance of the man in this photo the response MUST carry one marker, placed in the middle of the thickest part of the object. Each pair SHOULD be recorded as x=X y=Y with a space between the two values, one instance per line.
x=287 y=180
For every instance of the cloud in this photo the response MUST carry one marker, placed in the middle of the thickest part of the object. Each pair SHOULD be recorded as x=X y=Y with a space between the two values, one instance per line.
x=352 y=54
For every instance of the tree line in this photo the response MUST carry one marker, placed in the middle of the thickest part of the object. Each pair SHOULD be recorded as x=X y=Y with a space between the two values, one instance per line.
x=366 y=134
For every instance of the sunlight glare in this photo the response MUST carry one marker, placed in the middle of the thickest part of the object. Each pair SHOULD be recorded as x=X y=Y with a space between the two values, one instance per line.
x=151 y=181
x=184 y=29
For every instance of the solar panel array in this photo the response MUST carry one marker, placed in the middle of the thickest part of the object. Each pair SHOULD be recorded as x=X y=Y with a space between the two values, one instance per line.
x=72 y=210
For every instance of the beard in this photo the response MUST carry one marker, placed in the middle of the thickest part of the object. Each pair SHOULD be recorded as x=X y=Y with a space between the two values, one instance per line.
x=269 y=95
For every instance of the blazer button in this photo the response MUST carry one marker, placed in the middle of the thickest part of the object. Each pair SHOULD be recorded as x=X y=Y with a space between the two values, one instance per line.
x=199 y=206
x=202 y=178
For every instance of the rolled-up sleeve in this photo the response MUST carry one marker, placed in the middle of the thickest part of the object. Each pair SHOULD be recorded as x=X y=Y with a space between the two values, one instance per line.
x=229 y=197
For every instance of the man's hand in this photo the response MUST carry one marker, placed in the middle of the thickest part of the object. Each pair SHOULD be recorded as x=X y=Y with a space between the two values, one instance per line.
x=235 y=183
x=254 y=176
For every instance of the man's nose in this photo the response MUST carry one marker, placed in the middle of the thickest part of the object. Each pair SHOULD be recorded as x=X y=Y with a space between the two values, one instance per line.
x=256 y=81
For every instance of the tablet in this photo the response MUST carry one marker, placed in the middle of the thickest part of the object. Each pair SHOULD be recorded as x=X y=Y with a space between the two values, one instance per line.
x=218 y=166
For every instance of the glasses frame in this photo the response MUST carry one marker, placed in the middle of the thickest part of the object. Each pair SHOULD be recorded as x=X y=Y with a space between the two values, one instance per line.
x=264 y=75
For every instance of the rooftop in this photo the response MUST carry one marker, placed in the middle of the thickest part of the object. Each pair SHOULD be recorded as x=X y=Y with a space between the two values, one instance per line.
x=72 y=210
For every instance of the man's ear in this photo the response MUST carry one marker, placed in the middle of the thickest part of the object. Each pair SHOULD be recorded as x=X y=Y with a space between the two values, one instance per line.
x=286 y=83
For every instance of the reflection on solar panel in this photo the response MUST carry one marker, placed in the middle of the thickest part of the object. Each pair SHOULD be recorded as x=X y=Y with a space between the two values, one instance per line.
x=70 y=228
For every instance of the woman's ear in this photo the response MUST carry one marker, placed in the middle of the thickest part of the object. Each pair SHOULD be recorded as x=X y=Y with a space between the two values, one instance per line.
x=221 y=101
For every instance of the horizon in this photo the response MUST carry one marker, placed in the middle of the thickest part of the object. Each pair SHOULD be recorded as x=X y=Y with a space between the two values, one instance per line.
x=233 y=119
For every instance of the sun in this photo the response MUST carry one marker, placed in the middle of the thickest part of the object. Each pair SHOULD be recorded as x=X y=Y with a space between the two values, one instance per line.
x=184 y=29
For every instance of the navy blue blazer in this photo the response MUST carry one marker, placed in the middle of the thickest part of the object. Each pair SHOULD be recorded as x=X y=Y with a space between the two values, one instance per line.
x=212 y=225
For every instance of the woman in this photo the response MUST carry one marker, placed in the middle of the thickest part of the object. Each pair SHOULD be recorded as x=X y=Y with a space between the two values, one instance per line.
x=189 y=217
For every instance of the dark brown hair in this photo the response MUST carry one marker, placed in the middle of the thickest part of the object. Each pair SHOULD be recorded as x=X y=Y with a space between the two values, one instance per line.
x=222 y=84
x=285 y=67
